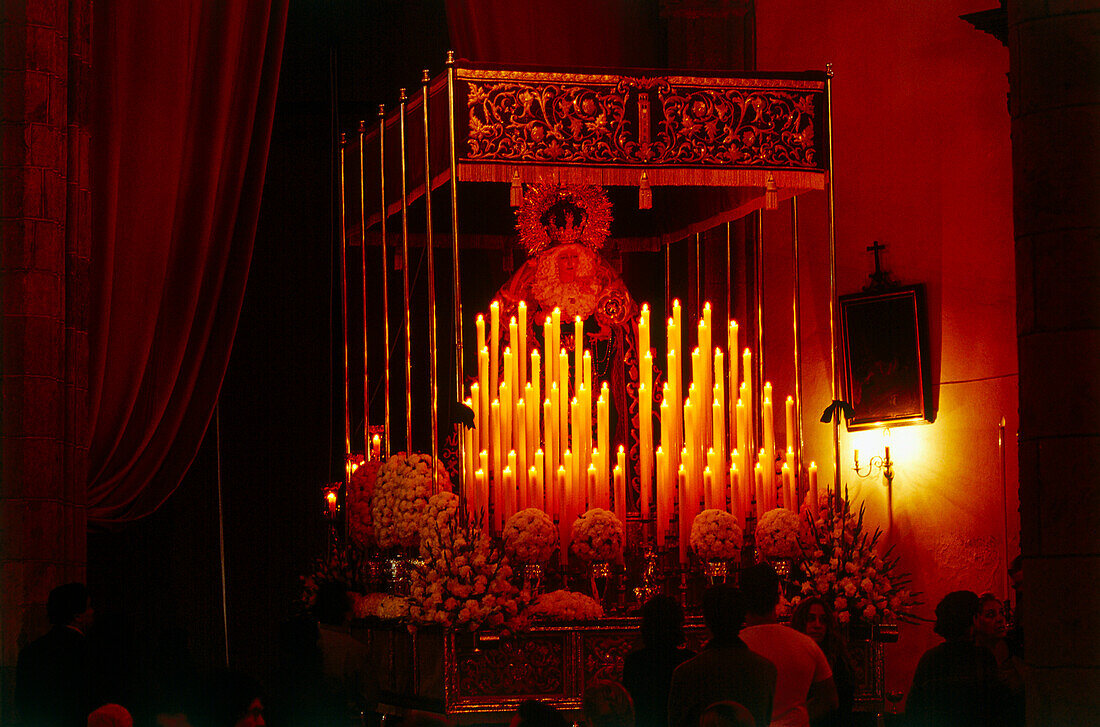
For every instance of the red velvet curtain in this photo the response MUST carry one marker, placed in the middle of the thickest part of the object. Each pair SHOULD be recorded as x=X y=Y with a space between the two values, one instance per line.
x=185 y=93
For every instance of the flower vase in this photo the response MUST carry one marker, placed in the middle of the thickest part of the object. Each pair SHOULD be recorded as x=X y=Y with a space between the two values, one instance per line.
x=717 y=571
x=532 y=578
x=599 y=579
x=399 y=577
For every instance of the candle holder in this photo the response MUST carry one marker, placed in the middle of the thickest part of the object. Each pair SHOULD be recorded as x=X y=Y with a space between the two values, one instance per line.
x=717 y=571
x=651 y=577
x=599 y=574
x=532 y=578
x=397 y=567
x=877 y=464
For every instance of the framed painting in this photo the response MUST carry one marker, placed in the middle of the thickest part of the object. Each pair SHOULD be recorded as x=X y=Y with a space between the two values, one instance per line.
x=886 y=367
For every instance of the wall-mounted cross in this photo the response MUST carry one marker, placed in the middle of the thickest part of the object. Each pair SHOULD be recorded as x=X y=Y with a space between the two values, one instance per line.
x=876 y=249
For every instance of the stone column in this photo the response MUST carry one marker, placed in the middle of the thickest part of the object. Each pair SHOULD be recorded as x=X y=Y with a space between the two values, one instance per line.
x=1055 y=108
x=45 y=238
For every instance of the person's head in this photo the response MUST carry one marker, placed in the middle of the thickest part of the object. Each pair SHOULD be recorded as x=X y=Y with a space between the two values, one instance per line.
x=814 y=618
x=990 y=625
x=662 y=622
x=955 y=615
x=110 y=715
x=608 y=704
x=760 y=586
x=332 y=605
x=723 y=612
x=533 y=713
x=68 y=605
x=726 y=714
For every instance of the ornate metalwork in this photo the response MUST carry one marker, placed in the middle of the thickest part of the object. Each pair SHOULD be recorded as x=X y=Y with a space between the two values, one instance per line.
x=602 y=655
x=621 y=120
x=513 y=667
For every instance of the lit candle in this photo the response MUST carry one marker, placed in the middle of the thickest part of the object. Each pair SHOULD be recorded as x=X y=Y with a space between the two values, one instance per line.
x=789 y=462
x=768 y=427
x=534 y=489
x=785 y=476
x=813 y=490
x=563 y=399
x=561 y=375
x=482 y=486
x=596 y=496
x=662 y=497
x=550 y=443
x=565 y=525
x=521 y=453
x=792 y=433
x=742 y=436
x=645 y=449
x=542 y=493
x=685 y=522
x=578 y=351
x=484 y=392
x=746 y=381
x=548 y=346
x=480 y=325
x=620 y=493
x=505 y=400
x=534 y=379
x=494 y=346
x=521 y=345
x=376 y=445
x=735 y=494
x=531 y=422
x=495 y=450
x=513 y=343
x=483 y=496
x=708 y=486
x=643 y=330
x=508 y=489
x=759 y=477
x=468 y=489
x=602 y=433
x=576 y=442
x=718 y=419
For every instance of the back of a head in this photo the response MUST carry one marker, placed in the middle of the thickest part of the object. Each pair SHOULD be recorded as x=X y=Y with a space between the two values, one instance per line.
x=662 y=622
x=533 y=713
x=608 y=704
x=955 y=614
x=760 y=587
x=66 y=602
x=726 y=714
x=723 y=611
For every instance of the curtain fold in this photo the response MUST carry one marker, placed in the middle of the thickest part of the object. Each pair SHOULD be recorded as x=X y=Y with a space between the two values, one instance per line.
x=185 y=95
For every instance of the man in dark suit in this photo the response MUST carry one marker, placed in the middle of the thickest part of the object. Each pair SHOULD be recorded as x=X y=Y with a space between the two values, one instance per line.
x=51 y=679
x=726 y=671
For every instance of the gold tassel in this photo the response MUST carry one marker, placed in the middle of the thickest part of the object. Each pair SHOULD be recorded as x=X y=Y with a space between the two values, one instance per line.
x=516 y=194
x=771 y=193
x=645 y=193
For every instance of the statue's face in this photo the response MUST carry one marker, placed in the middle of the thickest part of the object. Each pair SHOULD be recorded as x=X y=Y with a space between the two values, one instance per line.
x=568 y=260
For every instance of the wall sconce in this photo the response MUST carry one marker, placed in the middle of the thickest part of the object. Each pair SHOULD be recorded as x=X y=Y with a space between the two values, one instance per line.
x=883 y=463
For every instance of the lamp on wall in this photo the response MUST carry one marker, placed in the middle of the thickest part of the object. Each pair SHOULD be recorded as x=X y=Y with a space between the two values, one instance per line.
x=883 y=463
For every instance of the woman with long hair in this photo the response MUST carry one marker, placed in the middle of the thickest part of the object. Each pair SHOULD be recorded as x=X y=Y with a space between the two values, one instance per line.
x=814 y=618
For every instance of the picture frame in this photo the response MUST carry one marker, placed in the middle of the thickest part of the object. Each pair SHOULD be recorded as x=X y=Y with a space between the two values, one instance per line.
x=887 y=377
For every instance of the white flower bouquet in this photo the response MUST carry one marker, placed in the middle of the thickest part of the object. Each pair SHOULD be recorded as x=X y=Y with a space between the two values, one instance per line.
x=777 y=534
x=598 y=535
x=715 y=535
x=463 y=580
x=380 y=605
x=530 y=536
x=842 y=567
x=400 y=497
x=565 y=605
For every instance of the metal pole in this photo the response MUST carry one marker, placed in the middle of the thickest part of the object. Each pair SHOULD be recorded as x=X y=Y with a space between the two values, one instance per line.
x=699 y=277
x=459 y=350
x=730 y=346
x=668 y=281
x=758 y=291
x=385 y=266
x=433 y=344
x=405 y=277
x=835 y=375
x=796 y=322
x=344 y=302
x=363 y=259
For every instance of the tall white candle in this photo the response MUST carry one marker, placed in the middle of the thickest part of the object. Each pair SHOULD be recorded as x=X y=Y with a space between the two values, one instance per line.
x=494 y=346
x=521 y=344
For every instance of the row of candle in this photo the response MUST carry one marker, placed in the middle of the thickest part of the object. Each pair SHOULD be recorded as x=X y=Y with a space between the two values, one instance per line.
x=531 y=450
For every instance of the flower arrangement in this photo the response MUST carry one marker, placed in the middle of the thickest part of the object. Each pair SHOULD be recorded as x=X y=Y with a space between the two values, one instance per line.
x=598 y=535
x=442 y=508
x=715 y=535
x=777 y=534
x=341 y=567
x=842 y=567
x=401 y=496
x=530 y=536
x=380 y=605
x=359 y=491
x=563 y=605
x=463 y=581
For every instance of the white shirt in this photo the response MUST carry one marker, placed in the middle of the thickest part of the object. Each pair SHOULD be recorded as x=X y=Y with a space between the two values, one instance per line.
x=800 y=663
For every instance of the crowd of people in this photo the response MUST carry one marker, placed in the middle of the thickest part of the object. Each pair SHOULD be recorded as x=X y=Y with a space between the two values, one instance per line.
x=752 y=671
